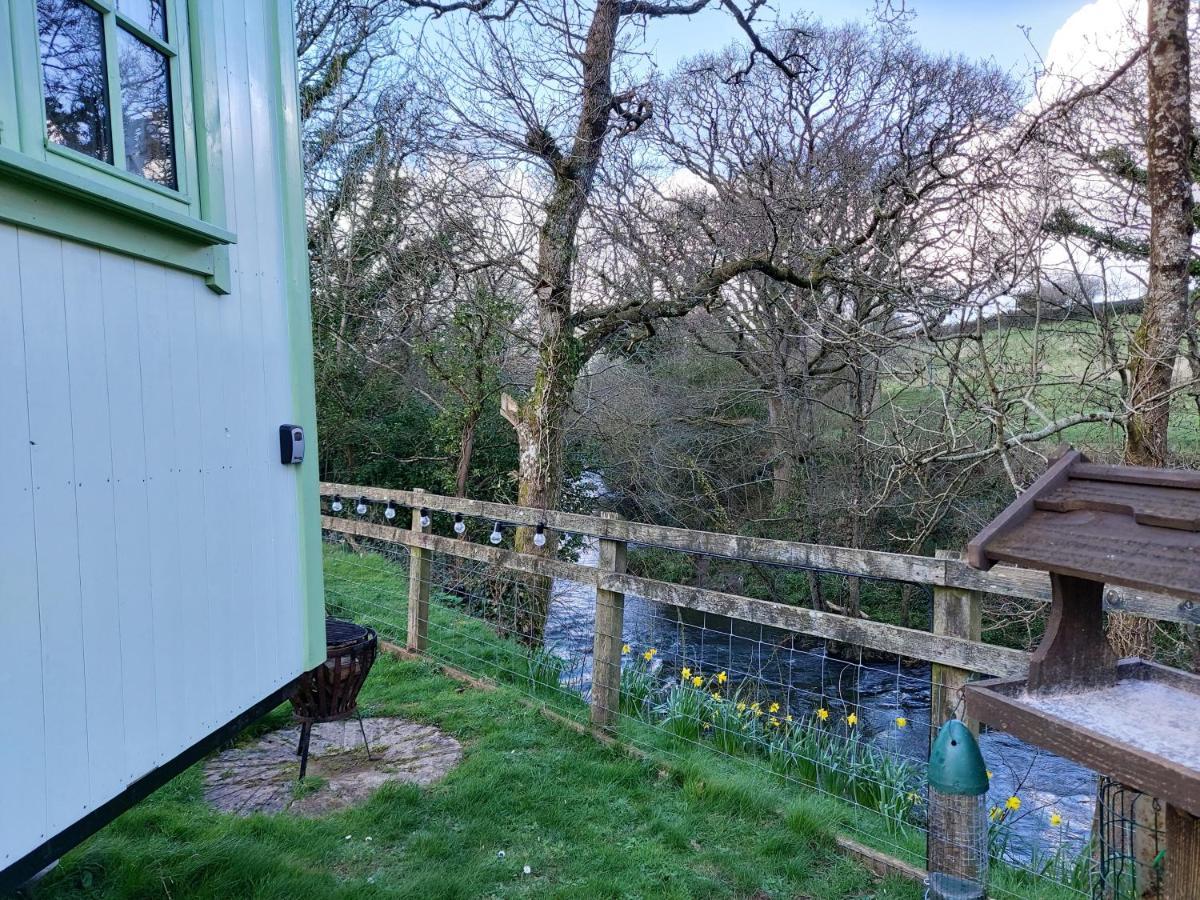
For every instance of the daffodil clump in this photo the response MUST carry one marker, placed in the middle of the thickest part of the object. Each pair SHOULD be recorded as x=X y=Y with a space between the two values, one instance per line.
x=820 y=748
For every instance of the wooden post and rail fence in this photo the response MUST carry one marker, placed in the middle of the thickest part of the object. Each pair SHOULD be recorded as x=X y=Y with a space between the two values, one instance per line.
x=953 y=647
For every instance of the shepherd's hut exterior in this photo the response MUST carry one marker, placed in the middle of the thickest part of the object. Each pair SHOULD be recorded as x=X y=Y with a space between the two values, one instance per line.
x=160 y=577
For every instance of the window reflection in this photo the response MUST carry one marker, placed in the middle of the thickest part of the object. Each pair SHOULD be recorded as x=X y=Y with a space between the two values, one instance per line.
x=146 y=111
x=73 y=71
x=150 y=14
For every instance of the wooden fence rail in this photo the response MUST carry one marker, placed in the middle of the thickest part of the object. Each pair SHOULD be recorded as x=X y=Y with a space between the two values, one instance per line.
x=947 y=650
x=947 y=572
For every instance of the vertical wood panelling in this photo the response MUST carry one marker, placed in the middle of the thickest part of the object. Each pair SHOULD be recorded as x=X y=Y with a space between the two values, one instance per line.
x=20 y=629
x=141 y=414
x=159 y=415
x=194 y=641
x=131 y=511
x=98 y=588
x=47 y=382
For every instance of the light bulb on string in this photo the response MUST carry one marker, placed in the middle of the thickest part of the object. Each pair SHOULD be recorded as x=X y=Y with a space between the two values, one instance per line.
x=336 y=505
x=425 y=520
x=390 y=512
x=539 y=535
x=459 y=525
x=361 y=508
x=496 y=536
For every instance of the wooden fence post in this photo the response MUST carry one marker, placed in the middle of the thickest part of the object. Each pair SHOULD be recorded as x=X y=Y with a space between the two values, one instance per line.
x=607 y=641
x=956 y=613
x=419 y=570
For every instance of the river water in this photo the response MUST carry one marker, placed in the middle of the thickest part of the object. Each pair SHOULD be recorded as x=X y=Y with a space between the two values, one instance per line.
x=802 y=678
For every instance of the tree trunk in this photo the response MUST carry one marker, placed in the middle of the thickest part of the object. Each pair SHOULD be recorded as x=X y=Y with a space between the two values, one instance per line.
x=783 y=456
x=1155 y=344
x=466 y=449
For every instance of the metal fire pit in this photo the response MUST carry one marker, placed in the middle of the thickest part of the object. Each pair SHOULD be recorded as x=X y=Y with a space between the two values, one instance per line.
x=330 y=691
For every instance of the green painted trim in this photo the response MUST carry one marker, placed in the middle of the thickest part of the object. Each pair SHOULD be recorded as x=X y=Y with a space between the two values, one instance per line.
x=25 y=202
x=108 y=170
x=210 y=164
x=9 y=120
x=51 y=179
x=27 y=71
x=282 y=37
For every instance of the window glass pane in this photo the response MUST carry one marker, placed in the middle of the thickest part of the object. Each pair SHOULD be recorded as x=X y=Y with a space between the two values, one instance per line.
x=72 y=49
x=146 y=111
x=150 y=14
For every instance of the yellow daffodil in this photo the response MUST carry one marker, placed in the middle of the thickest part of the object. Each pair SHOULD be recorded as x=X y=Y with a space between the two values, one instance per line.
x=852 y=719
x=901 y=722
x=624 y=649
x=774 y=722
x=716 y=695
x=741 y=707
x=1013 y=803
x=755 y=708
x=721 y=678
x=774 y=708
x=822 y=714
x=697 y=681
x=1055 y=819
x=994 y=813
x=989 y=774
x=788 y=717
x=649 y=654
x=685 y=672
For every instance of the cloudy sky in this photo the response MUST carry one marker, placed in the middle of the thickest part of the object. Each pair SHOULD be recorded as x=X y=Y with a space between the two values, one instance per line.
x=1015 y=34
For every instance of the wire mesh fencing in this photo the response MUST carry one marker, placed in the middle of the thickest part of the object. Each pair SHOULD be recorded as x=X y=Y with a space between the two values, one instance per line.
x=851 y=724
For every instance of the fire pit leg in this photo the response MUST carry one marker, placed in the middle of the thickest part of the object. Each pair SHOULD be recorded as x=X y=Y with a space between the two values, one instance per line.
x=302 y=750
x=363 y=728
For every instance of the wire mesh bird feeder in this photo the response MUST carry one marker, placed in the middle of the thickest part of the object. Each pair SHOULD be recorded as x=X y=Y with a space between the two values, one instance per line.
x=957 y=847
x=1090 y=525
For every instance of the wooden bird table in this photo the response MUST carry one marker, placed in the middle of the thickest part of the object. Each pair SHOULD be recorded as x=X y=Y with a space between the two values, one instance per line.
x=1089 y=525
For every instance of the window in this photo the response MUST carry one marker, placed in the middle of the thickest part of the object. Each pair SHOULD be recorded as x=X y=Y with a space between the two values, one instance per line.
x=107 y=73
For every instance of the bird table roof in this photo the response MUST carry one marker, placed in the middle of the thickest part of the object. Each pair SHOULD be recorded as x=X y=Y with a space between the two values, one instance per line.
x=1124 y=525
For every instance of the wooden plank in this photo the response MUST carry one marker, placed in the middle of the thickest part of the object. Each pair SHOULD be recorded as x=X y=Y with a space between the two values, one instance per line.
x=55 y=522
x=879 y=862
x=1003 y=704
x=505 y=559
x=1008 y=581
x=23 y=752
x=956 y=613
x=420 y=573
x=1188 y=479
x=868 y=563
x=607 y=639
x=1106 y=547
x=131 y=514
x=909 y=642
x=1183 y=855
x=159 y=416
x=1162 y=507
x=104 y=661
x=1020 y=509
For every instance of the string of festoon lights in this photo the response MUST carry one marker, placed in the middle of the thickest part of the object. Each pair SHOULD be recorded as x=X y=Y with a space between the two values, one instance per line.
x=390 y=511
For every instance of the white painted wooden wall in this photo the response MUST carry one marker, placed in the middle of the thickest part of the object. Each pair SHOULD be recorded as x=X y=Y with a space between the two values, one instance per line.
x=150 y=571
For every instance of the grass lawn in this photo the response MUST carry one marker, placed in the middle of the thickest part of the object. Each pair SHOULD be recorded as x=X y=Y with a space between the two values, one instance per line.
x=587 y=821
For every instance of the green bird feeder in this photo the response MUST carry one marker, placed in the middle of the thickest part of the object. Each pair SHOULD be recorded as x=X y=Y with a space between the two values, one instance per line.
x=957 y=847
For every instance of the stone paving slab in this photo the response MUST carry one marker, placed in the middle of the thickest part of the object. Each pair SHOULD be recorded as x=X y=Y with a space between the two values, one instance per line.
x=261 y=776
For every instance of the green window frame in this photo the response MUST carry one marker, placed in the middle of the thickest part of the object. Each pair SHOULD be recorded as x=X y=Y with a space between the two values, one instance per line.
x=52 y=187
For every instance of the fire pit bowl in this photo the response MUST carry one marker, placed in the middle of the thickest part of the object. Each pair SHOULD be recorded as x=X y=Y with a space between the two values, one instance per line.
x=330 y=691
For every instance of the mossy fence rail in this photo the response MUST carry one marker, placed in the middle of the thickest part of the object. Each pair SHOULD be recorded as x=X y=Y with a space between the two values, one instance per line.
x=953 y=646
